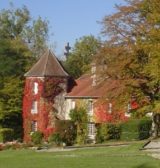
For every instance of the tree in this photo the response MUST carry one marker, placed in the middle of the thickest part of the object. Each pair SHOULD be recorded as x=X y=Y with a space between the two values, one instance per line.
x=17 y=23
x=18 y=37
x=132 y=53
x=79 y=60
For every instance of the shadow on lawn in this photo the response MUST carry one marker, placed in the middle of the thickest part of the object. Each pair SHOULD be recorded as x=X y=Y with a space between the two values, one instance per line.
x=144 y=166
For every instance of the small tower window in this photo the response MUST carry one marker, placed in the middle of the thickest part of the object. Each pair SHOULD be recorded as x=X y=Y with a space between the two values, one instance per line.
x=34 y=108
x=35 y=88
x=33 y=126
x=110 y=108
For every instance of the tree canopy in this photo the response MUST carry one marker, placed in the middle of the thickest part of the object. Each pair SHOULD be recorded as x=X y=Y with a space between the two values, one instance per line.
x=79 y=60
x=132 y=52
x=21 y=39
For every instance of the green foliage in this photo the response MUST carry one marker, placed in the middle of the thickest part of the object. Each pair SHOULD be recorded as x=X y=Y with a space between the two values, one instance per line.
x=21 y=38
x=80 y=118
x=102 y=133
x=78 y=115
x=81 y=56
x=107 y=131
x=144 y=129
x=37 y=137
x=55 y=138
x=17 y=23
x=136 y=129
x=6 y=134
x=65 y=132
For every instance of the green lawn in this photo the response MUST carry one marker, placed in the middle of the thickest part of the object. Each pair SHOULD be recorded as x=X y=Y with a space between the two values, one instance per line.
x=104 y=157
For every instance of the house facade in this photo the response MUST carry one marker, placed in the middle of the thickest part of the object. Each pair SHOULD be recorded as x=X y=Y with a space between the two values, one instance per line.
x=50 y=94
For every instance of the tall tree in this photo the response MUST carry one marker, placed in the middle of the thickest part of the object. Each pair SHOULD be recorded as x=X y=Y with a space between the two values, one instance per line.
x=21 y=38
x=80 y=58
x=132 y=52
x=17 y=23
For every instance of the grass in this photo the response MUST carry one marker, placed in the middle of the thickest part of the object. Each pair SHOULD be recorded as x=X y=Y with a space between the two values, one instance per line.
x=105 y=157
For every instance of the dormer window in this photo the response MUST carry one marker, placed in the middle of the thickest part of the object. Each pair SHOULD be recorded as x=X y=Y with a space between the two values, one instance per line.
x=35 y=88
x=34 y=109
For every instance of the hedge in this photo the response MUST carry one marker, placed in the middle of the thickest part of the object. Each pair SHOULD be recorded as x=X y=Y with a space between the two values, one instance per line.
x=6 y=134
x=133 y=129
x=106 y=131
x=136 y=129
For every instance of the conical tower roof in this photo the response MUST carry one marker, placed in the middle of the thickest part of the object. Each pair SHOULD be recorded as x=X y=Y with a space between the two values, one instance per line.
x=47 y=65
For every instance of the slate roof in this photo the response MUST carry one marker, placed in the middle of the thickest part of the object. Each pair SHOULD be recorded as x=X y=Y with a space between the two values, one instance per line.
x=47 y=65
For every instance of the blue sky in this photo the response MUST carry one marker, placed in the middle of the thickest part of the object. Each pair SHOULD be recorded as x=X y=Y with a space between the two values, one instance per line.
x=68 y=19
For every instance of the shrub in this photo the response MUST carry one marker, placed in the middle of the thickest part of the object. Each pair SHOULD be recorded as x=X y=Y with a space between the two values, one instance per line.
x=55 y=138
x=6 y=134
x=37 y=137
x=114 y=131
x=136 y=129
x=107 y=131
x=144 y=128
x=80 y=118
x=66 y=130
x=102 y=133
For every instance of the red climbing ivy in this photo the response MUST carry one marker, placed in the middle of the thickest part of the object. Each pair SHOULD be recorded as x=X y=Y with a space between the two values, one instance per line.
x=102 y=115
x=52 y=88
x=48 y=89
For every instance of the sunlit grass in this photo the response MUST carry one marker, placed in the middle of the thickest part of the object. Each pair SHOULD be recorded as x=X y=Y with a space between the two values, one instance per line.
x=104 y=157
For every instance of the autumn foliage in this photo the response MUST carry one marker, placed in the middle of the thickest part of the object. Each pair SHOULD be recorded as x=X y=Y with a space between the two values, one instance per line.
x=103 y=116
x=48 y=89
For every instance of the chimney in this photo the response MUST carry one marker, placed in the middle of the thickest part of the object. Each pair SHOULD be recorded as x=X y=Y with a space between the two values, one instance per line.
x=93 y=74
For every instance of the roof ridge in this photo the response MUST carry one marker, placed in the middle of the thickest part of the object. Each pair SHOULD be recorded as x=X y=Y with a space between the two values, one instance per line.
x=45 y=66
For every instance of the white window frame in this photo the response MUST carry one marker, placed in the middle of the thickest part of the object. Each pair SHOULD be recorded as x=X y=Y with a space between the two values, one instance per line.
x=34 y=108
x=90 y=107
x=73 y=104
x=91 y=129
x=34 y=127
x=35 y=87
x=110 y=108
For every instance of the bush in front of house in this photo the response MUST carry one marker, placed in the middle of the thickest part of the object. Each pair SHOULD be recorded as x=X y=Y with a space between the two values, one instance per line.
x=80 y=118
x=65 y=132
x=6 y=134
x=37 y=137
x=136 y=129
x=55 y=138
x=107 y=131
x=114 y=131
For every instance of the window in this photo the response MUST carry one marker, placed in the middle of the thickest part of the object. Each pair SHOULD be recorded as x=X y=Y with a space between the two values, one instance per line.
x=90 y=107
x=91 y=129
x=33 y=126
x=110 y=108
x=34 y=108
x=35 y=88
x=73 y=104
